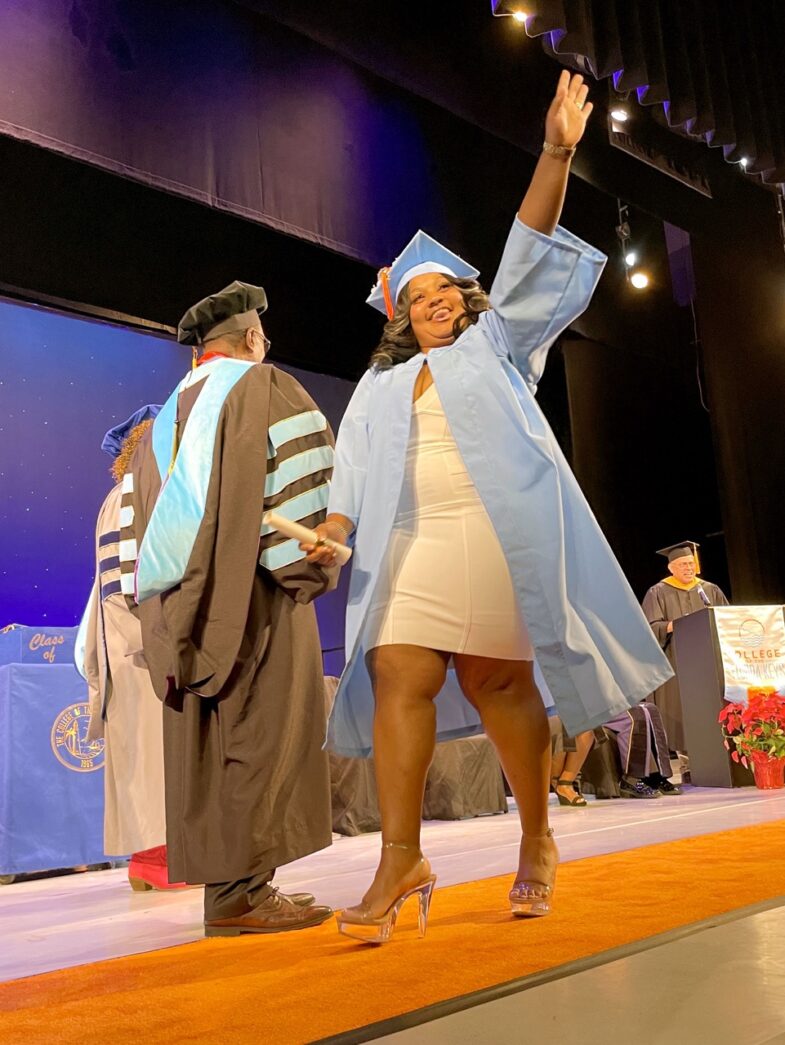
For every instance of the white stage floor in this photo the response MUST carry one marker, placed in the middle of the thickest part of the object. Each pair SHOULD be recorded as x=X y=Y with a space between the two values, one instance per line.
x=676 y=991
x=54 y=923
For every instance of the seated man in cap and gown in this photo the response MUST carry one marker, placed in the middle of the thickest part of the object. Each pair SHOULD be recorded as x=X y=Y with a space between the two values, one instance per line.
x=124 y=709
x=644 y=753
x=228 y=628
x=681 y=593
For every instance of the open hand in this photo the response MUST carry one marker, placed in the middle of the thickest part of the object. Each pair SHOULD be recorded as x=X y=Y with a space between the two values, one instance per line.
x=569 y=111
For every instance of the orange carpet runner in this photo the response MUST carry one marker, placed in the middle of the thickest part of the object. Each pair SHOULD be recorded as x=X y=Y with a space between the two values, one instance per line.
x=299 y=987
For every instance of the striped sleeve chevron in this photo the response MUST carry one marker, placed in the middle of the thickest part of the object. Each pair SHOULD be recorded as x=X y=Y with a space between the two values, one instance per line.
x=138 y=491
x=127 y=545
x=299 y=467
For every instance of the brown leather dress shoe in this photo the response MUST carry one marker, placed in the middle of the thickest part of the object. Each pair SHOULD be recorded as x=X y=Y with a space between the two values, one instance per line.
x=301 y=899
x=276 y=914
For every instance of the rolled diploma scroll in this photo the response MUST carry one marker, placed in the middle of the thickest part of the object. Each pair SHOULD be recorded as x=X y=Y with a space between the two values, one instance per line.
x=305 y=536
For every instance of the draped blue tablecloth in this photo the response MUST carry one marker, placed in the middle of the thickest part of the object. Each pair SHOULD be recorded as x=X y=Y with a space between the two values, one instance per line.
x=51 y=778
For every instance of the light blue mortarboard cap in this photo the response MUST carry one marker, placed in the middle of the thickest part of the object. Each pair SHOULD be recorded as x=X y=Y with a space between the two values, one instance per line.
x=420 y=255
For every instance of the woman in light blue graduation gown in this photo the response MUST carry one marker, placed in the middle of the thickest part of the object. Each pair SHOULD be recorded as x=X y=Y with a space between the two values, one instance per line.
x=590 y=638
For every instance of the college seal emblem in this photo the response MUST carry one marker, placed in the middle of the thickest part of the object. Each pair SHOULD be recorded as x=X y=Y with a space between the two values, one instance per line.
x=69 y=740
x=751 y=633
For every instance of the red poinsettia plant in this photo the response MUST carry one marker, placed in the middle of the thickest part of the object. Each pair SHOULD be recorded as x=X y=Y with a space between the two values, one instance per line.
x=757 y=728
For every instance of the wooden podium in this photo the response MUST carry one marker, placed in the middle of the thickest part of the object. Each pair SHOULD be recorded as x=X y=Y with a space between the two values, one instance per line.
x=702 y=687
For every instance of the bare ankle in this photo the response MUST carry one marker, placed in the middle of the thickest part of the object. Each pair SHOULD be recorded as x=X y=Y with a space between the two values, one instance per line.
x=413 y=847
x=536 y=836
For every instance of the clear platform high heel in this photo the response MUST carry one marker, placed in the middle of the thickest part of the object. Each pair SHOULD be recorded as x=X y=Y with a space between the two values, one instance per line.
x=530 y=898
x=359 y=924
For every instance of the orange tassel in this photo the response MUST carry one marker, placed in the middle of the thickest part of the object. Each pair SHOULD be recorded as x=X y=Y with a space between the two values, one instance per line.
x=384 y=279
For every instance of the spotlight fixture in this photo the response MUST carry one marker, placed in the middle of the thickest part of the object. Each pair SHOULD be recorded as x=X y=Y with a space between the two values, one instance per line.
x=619 y=114
x=635 y=276
x=639 y=279
x=508 y=9
x=744 y=162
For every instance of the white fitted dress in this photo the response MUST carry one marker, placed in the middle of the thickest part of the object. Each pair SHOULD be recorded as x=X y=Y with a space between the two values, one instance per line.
x=445 y=583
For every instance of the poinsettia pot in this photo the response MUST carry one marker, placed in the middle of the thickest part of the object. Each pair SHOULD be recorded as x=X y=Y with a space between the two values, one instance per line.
x=769 y=772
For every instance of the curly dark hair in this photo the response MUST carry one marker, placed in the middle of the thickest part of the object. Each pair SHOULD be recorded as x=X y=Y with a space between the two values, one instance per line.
x=398 y=342
x=130 y=443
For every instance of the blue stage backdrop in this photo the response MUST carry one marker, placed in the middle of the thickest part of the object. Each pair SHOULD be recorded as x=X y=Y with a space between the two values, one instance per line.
x=64 y=381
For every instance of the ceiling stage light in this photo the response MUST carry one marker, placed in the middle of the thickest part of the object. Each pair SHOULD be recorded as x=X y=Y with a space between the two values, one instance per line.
x=630 y=259
x=639 y=280
x=505 y=9
x=619 y=115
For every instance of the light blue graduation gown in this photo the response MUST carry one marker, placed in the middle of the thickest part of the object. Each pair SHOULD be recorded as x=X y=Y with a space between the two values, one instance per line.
x=594 y=646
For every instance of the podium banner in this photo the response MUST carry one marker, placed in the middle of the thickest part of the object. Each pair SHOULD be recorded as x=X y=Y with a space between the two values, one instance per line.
x=51 y=775
x=22 y=645
x=752 y=646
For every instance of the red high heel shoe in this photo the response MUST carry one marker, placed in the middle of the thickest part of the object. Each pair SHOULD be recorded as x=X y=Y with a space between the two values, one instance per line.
x=147 y=870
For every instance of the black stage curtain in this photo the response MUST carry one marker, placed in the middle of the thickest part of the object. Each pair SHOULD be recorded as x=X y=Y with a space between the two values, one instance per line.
x=715 y=66
x=740 y=278
x=210 y=101
x=642 y=453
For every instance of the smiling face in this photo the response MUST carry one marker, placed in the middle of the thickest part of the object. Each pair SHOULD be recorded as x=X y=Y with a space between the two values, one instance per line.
x=683 y=568
x=434 y=305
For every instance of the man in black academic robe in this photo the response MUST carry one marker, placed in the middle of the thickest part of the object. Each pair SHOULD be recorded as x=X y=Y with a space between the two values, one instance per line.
x=229 y=632
x=681 y=593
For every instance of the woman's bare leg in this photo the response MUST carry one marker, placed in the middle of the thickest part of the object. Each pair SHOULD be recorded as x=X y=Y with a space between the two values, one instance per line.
x=406 y=680
x=514 y=718
x=558 y=762
x=573 y=763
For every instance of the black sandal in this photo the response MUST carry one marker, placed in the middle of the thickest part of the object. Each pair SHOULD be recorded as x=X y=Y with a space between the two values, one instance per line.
x=578 y=802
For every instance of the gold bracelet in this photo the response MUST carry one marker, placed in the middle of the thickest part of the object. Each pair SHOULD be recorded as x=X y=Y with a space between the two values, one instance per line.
x=561 y=152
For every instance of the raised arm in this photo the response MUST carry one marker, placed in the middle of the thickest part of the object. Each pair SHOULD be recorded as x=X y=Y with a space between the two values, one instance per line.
x=547 y=275
x=564 y=126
